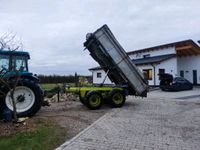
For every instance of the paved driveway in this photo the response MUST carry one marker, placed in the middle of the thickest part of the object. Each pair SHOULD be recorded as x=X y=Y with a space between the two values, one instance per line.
x=164 y=120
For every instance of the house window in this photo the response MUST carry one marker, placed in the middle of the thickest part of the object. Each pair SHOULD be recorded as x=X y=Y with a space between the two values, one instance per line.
x=147 y=55
x=98 y=74
x=148 y=74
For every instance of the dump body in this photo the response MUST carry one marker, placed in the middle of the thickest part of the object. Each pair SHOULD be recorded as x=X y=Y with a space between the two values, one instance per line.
x=110 y=55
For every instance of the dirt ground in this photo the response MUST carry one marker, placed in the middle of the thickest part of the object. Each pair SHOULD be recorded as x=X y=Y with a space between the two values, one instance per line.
x=70 y=114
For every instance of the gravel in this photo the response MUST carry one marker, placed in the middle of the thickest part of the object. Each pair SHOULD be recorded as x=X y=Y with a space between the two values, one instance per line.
x=71 y=115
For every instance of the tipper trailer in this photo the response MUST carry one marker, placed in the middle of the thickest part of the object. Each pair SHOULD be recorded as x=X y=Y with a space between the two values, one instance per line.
x=106 y=50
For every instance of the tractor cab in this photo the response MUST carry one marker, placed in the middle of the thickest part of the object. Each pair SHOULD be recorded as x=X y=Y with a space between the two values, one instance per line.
x=12 y=61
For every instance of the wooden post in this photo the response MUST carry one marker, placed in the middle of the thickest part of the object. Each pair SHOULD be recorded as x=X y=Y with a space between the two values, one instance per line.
x=76 y=79
x=58 y=94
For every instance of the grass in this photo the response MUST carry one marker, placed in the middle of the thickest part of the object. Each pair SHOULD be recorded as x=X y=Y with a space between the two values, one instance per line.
x=44 y=137
x=49 y=86
x=51 y=89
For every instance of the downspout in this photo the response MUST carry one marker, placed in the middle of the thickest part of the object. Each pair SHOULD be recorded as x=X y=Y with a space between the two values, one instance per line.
x=154 y=74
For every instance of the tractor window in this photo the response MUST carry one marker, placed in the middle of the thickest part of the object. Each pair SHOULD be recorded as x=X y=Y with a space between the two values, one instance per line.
x=4 y=64
x=19 y=64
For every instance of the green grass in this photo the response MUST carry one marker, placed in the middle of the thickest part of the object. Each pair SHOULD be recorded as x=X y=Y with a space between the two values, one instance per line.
x=43 y=138
x=49 y=86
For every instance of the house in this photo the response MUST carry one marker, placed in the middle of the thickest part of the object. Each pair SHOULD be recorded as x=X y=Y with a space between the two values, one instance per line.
x=178 y=58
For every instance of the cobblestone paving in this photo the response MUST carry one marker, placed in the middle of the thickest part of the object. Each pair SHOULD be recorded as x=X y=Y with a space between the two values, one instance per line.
x=143 y=124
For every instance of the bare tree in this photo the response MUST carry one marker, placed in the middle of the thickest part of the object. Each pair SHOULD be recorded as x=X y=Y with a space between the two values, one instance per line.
x=10 y=43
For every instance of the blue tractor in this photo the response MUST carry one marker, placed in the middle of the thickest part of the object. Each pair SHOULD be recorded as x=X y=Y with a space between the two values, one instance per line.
x=14 y=73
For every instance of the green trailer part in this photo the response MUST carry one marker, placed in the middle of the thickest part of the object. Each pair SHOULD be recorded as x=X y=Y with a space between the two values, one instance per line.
x=94 y=97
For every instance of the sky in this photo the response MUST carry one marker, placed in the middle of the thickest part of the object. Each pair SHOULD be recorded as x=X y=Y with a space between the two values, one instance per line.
x=53 y=31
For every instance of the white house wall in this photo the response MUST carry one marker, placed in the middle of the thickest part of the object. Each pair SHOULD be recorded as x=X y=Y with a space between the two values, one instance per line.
x=188 y=64
x=165 y=51
x=172 y=66
x=100 y=80
x=169 y=65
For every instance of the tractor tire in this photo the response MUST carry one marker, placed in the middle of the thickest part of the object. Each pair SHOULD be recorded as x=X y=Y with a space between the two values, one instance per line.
x=93 y=100
x=1 y=104
x=29 y=97
x=116 y=98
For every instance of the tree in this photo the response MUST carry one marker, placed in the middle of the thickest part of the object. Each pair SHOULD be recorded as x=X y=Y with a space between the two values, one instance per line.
x=10 y=43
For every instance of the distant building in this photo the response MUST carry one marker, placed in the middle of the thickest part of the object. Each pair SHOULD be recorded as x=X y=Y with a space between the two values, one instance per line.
x=178 y=58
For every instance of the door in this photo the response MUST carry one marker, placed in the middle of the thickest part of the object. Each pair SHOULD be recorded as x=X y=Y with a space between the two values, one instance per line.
x=182 y=73
x=195 y=77
x=161 y=71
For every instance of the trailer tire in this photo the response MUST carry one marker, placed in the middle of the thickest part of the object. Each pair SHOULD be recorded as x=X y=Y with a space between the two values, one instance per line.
x=93 y=100
x=82 y=100
x=116 y=98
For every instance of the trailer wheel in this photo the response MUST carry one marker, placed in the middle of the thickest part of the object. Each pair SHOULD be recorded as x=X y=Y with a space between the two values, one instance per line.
x=93 y=100
x=81 y=100
x=116 y=98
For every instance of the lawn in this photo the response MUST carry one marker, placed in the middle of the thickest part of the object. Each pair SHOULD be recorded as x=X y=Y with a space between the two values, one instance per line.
x=46 y=136
x=49 y=86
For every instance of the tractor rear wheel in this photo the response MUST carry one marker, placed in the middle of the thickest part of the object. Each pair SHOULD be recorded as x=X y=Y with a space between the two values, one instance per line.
x=93 y=100
x=116 y=98
x=28 y=98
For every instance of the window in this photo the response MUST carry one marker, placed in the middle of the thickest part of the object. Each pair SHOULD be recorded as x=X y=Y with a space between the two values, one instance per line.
x=4 y=64
x=148 y=74
x=19 y=64
x=147 y=55
x=98 y=74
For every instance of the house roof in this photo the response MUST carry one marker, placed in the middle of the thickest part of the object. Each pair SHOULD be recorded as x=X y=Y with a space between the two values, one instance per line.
x=147 y=60
x=183 y=48
x=154 y=59
x=95 y=68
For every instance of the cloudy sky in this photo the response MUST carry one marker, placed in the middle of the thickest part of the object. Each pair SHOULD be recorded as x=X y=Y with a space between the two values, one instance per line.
x=53 y=31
